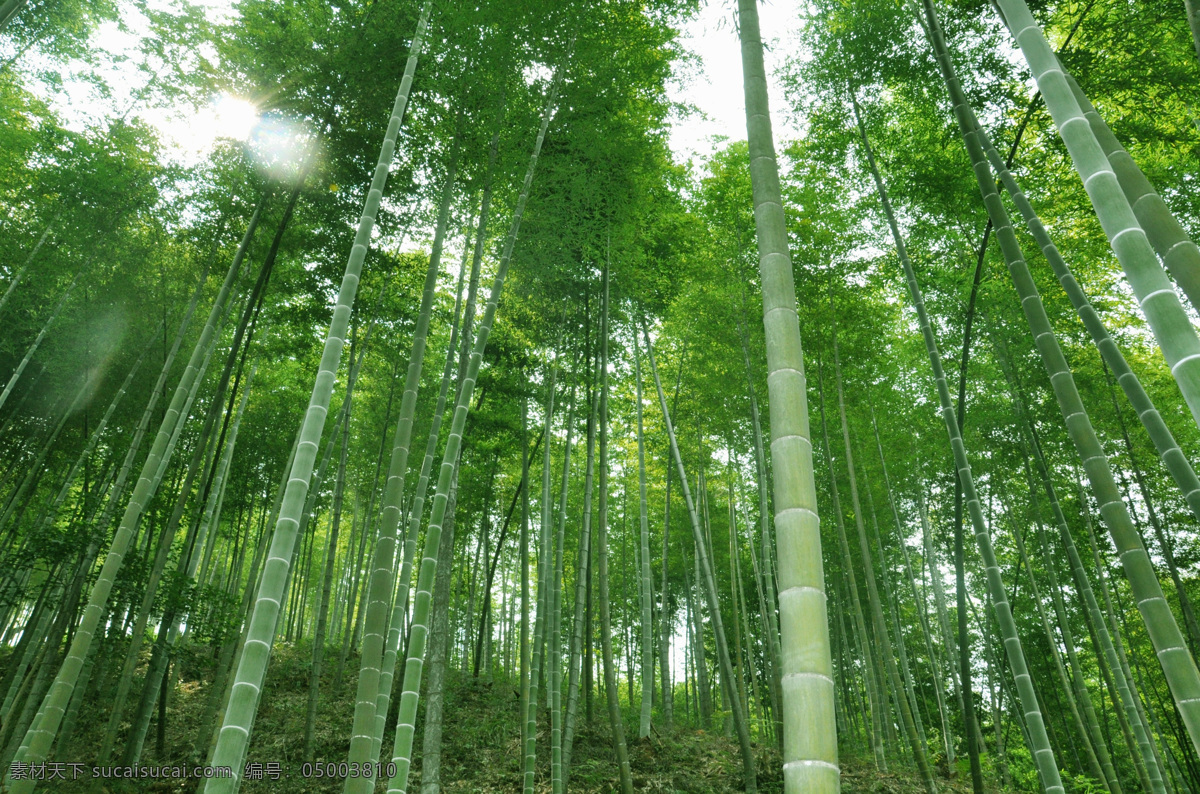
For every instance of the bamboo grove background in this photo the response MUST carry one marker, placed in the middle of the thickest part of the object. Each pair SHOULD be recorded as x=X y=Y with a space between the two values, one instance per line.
x=548 y=444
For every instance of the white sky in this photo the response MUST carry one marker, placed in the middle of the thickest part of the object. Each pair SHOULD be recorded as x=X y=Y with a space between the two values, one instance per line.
x=713 y=86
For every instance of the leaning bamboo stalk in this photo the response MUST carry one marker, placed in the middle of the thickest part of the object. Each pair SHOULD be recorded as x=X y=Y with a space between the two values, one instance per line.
x=416 y=510
x=59 y=694
x=1153 y=289
x=235 y=733
x=1178 y=665
x=1039 y=740
x=418 y=631
x=381 y=583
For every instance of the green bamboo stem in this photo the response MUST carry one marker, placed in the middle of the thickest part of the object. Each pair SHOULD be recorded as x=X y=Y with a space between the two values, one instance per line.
x=554 y=653
x=544 y=563
x=1168 y=449
x=882 y=634
x=419 y=628
x=1170 y=241
x=206 y=737
x=582 y=577
x=1093 y=744
x=526 y=611
x=1039 y=740
x=1149 y=282
x=613 y=695
x=59 y=694
x=235 y=733
x=94 y=438
x=767 y=540
x=37 y=342
x=399 y=605
x=809 y=723
x=709 y=588
x=331 y=543
x=1164 y=441
x=1178 y=666
x=646 y=590
x=918 y=603
x=20 y=274
x=875 y=701
x=169 y=628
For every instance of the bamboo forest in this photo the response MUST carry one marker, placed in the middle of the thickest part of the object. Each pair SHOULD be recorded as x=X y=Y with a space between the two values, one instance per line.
x=795 y=396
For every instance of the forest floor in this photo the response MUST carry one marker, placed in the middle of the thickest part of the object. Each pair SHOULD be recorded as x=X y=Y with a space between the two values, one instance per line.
x=480 y=743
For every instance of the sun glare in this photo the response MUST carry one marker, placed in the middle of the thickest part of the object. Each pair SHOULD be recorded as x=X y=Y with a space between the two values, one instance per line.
x=233 y=117
x=194 y=134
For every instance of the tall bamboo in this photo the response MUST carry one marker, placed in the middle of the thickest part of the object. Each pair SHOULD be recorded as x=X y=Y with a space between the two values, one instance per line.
x=1153 y=289
x=613 y=696
x=1040 y=742
x=235 y=733
x=59 y=694
x=418 y=632
x=1178 y=665
x=876 y=703
x=554 y=652
x=740 y=723
x=582 y=578
x=809 y=724
x=37 y=342
x=646 y=590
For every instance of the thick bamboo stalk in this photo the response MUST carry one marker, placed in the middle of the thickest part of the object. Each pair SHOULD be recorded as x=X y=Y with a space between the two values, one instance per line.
x=235 y=734
x=809 y=724
x=1153 y=289
x=1178 y=665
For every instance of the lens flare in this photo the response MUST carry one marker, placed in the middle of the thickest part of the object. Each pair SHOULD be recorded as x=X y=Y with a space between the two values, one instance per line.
x=280 y=146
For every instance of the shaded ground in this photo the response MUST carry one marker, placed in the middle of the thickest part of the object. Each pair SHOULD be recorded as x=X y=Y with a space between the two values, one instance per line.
x=480 y=744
